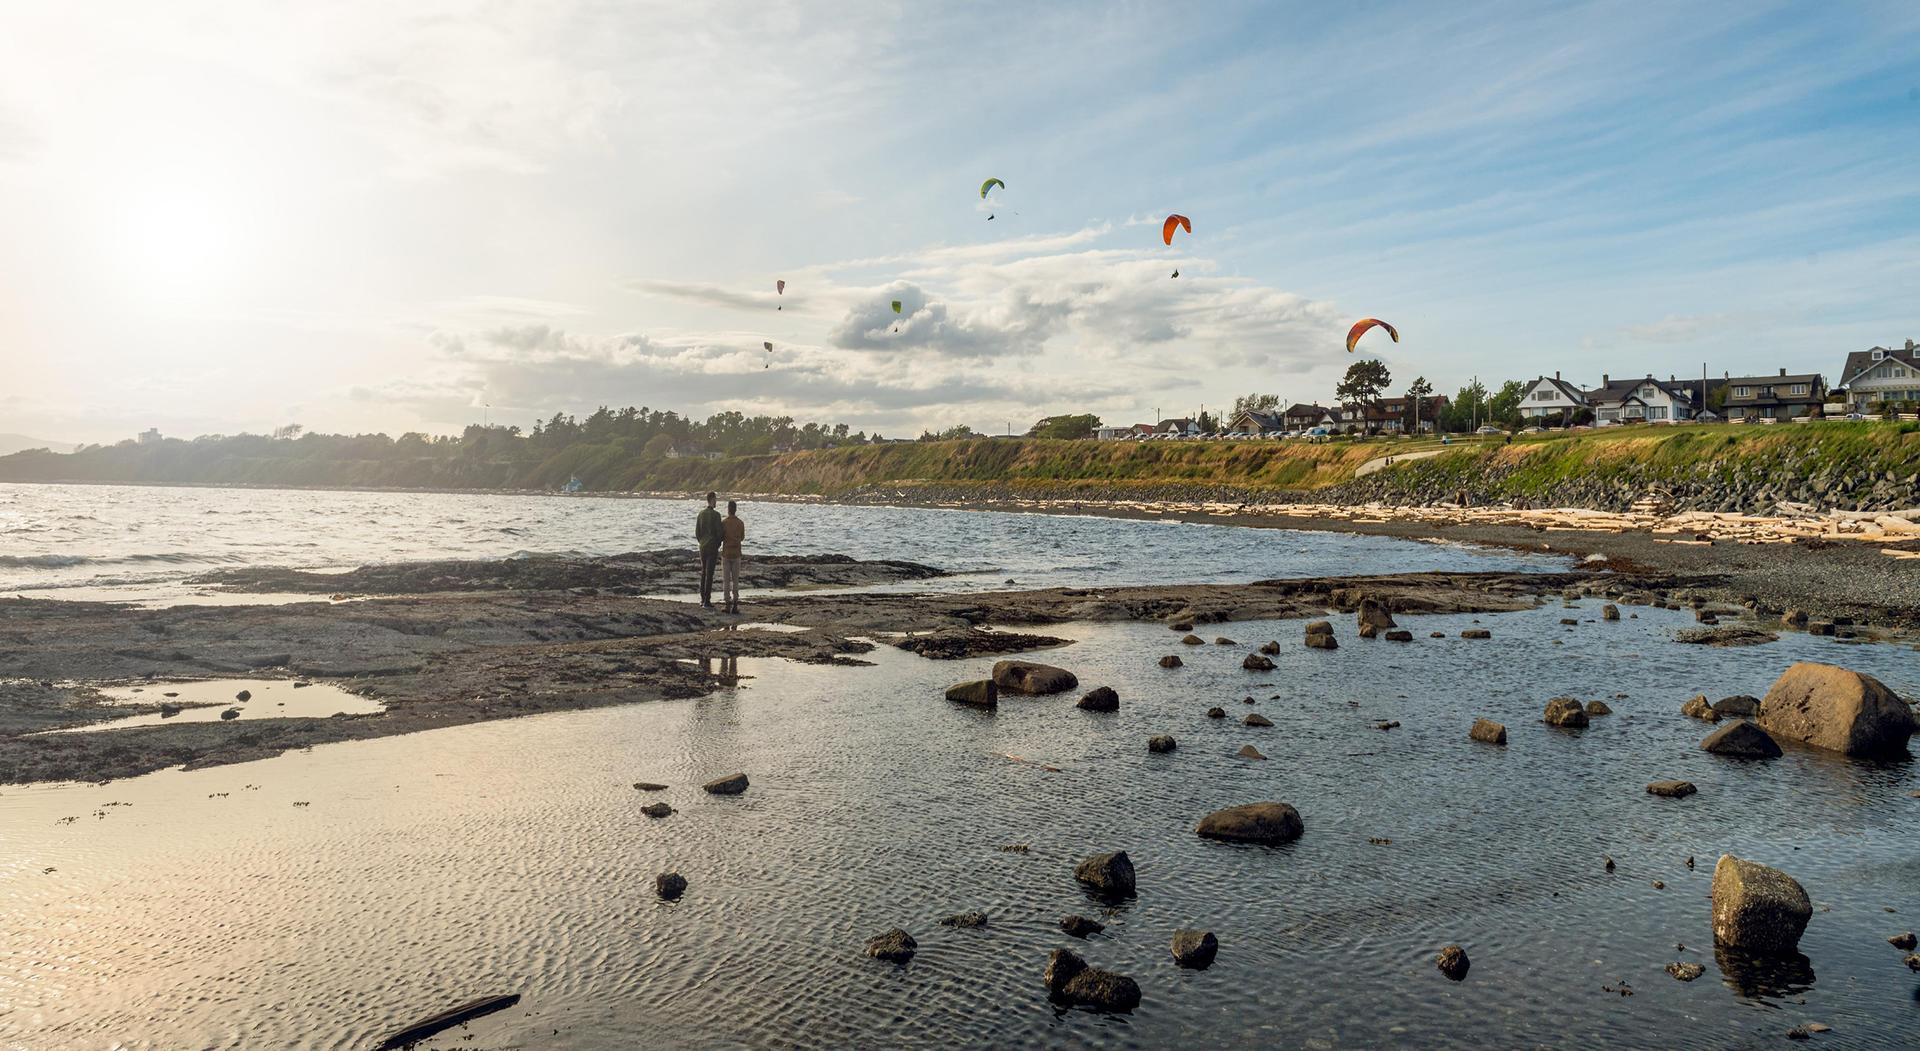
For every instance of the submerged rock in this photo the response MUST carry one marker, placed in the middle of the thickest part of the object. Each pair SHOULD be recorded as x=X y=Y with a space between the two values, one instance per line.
x=1725 y=636
x=1195 y=949
x=1598 y=708
x=1033 y=679
x=1758 y=908
x=1080 y=926
x=1488 y=731
x=965 y=919
x=1256 y=719
x=1170 y=661
x=1565 y=712
x=981 y=693
x=1193 y=640
x=731 y=785
x=1110 y=873
x=1253 y=823
x=1741 y=740
x=1322 y=642
x=1740 y=706
x=1320 y=627
x=669 y=885
x=1222 y=640
x=1686 y=972
x=1838 y=710
x=1161 y=743
x=1216 y=712
x=1903 y=941
x=1698 y=708
x=894 y=946
x=1671 y=789
x=1256 y=662
x=1399 y=635
x=1476 y=633
x=1609 y=612
x=1249 y=752
x=1100 y=699
x=649 y=786
x=1069 y=978
x=1270 y=649
x=1453 y=962
x=1373 y=615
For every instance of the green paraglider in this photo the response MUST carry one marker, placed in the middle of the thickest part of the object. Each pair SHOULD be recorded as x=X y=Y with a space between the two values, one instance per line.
x=988 y=185
x=896 y=306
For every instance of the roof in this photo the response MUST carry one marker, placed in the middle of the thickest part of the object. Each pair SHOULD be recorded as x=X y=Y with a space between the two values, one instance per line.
x=1861 y=360
x=1303 y=409
x=1619 y=390
x=1262 y=419
x=1813 y=381
x=1568 y=390
x=1181 y=422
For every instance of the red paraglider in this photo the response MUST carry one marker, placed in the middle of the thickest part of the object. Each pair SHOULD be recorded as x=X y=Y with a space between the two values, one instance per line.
x=1360 y=328
x=1174 y=222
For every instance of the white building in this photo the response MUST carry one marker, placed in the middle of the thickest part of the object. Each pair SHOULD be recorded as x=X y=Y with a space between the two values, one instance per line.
x=1881 y=375
x=1551 y=396
x=1645 y=400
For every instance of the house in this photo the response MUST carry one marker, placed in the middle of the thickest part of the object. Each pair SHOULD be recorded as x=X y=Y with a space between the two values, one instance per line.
x=1301 y=417
x=1254 y=422
x=150 y=436
x=1876 y=377
x=1552 y=397
x=1392 y=415
x=1180 y=425
x=1642 y=400
x=1108 y=434
x=1780 y=397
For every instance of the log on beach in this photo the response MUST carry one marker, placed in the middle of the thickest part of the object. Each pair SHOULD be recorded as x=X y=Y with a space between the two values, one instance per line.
x=447 y=1019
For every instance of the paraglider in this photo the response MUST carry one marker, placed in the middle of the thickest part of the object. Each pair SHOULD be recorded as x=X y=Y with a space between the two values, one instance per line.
x=988 y=185
x=1175 y=222
x=896 y=309
x=779 y=289
x=1176 y=273
x=1360 y=328
x=769 y=347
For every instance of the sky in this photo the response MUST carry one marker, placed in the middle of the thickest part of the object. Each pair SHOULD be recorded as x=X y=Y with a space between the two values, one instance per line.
x=392 y=216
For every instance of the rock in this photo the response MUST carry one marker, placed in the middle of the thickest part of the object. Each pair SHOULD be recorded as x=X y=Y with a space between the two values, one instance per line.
x=1476 y=633
x=1598 y=708
x=1725 y=636
x=1569 y=622
x=1387 y=724
x=1080 y=926
x=731 y=785
x=1839 y=710
x=1270 y=649
x=1609 y=612
x=1193 y=640
x=1794 y=618
x=1181 y=625
x=1671 y=789
x=230 y=713
x=1757 y=908
x=669 y=885
x=1319 y=627
x=243 y=696
x=1741 y=740
x=1799 y=1032
x=1249 y=752
x=1256 y=719
x=1903 y=941
x=965 y=919
x=959 y=644
x=1565 y=712
x=894 y=946
x=648 y=786
x=981 y=693
x=1161 y=743
x=1399 y=635
x=1107 y=873
x=1322 y=642
x=1195 y=949
x=1032 y=679
x=1169 y=661
x=1062 y=965
x=1737 y=707
x=1256 y=662
x=1698 y=708
x=1436 y=634
x=1453 y=962
x=1913 y=962
x=168 y=711
x=1216 y=713
x=1367 y=631
x=1686 y=972
x=1069 y=978
x=1820 y=627
x=656 y=810
x=1488 y=731
x=1253 y=823
x=1373 y=613
x=1224 y=641
x=1100 y=699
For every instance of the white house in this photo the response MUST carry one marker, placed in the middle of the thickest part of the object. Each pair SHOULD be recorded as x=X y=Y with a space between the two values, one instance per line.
x=1180 y=425
x=1644 y=400
x=1550 y=396
x=1873 y=377
x=1251 y=421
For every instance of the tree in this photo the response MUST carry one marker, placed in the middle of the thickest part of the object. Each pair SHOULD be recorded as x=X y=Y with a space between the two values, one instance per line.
x=1255 y=403
x=657 y=447
x=1079 y=426
x=1505 y=406
x=1418 y=408
x=1363 y=383
x=1206 y=423
x=289 y=432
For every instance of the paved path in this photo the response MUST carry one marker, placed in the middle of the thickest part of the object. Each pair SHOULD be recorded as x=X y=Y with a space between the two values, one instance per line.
x=1378 y=462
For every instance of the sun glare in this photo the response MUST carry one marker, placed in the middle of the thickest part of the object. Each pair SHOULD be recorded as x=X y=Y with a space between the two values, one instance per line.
x=179 y=244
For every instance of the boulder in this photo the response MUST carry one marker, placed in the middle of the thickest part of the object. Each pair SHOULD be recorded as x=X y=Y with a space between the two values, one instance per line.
x=656 y=810
x=1741 y=740
x=1698 y=708
x=1161 y=743
x=1737 y=707
x=1839 y=710
x=1319 y=627
x=1671 y=789
x=1032 y=679
x=1436 y=634
x=981 y=693
x=1373 y=614
x=1598 y=708
x=1080 y=926
x=1488 y=731
x=1322 y=642
x=1270 y=649
x=1453 y=962
x=1216 y=712
x=1565 y=712
x=1224 y=641
x=1248 y=751
x=1794 y=618
x=1904 y=941
x=1100 y=699
x=1195 y=949
x=1367 y=631
x=1069 y=978
x=1725 y=636
x=1193 y=640
x=1476 y=633
x=669 y=885
x=1820 y=627
x=1169 y=661
x=1686 y=972
x=1107 y=873
x=1757 y=908
x=967 y=920
x=1256 y=662
x=1399 y=635
x=894 y=946
x=1609 y=612
x=1256 y=719
x=731 y=785
x=1253 y=823
x=230 y=713
x=1181 y=625
x=243 y=696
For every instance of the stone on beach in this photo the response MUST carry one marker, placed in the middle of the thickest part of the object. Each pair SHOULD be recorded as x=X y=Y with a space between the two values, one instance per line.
x=1488 y=731
x=230 y=713
x=1671 y=789
x=1698 y=708
x=1080 y=926
x=1476 y=633
x=731 y=785
x=1838 y=710
x=1256 y=662
x=656 y=810
x=1565 y=712
x=1193 y=640
x=1741 y=740
x=894 y=946
x=981 y=693
x=1739 y=706
x=243 y=696
x=1100 y=699
x=1598 y=708
x=1256 y=719
x=1453 y=962
x=669 y=885
x=1249 y=752
x=1216 y=712
x=1686 y=972
x=1068 y=977
x=1170 y=661
x=1161 y=743
x=1195 y=949
x=1027 y=677
x=1253 y=823
x=1399 y=635
x=1758 y=908
x=1110 y=873
x=968 y=920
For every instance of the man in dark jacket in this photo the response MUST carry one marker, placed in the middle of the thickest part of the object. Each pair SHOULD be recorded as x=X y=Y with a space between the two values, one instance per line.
x=709 y=531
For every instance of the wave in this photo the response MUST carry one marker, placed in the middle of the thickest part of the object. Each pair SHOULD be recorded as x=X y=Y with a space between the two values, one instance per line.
x=64 y=561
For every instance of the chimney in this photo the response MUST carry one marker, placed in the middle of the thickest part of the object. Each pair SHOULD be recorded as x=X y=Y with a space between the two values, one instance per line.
x=1783 y=372
x=1909 y=344
x=1556 y=372
x=1603 y=379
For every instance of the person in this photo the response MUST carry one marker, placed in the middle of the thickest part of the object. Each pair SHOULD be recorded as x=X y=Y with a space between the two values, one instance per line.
x=732 y=532
x=707 y=530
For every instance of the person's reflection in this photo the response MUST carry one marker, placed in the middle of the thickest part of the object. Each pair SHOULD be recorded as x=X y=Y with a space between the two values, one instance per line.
x=727 y=669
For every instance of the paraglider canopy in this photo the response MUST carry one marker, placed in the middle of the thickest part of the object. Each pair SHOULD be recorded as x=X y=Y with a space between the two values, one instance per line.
x=1360 y=328
x=780 y=286
x=769 y=346
x=1174 y=222
x=896 y=306
x=988 y=185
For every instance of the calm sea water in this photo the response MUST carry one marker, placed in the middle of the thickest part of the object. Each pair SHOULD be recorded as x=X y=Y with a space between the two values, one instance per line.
x=143 y=543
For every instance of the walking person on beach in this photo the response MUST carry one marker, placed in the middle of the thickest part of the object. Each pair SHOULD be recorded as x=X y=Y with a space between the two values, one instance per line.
x=707 y=530
x=732 y=532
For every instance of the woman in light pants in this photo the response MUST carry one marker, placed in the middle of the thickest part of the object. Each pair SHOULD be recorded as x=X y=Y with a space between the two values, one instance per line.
x=732 y=532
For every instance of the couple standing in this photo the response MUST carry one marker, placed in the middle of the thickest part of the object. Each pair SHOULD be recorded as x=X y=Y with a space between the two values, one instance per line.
x=720 y=540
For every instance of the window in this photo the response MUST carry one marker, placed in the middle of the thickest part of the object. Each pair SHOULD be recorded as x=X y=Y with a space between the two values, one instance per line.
x=1799 y=388
x=1743 y=392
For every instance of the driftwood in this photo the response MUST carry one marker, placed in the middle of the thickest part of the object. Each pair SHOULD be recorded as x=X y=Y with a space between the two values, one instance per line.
x=447 y=1019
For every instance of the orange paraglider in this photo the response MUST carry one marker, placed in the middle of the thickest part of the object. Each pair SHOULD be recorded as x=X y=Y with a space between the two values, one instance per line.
x=1174 y=222
x=1360 y=328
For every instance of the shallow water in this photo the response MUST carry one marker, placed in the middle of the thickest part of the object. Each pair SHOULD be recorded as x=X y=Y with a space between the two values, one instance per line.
x=143 y=543
x=511 y=856
x=206 y=700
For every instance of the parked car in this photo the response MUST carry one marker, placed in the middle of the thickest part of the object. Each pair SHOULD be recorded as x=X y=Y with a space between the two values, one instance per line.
x=1489 y=429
